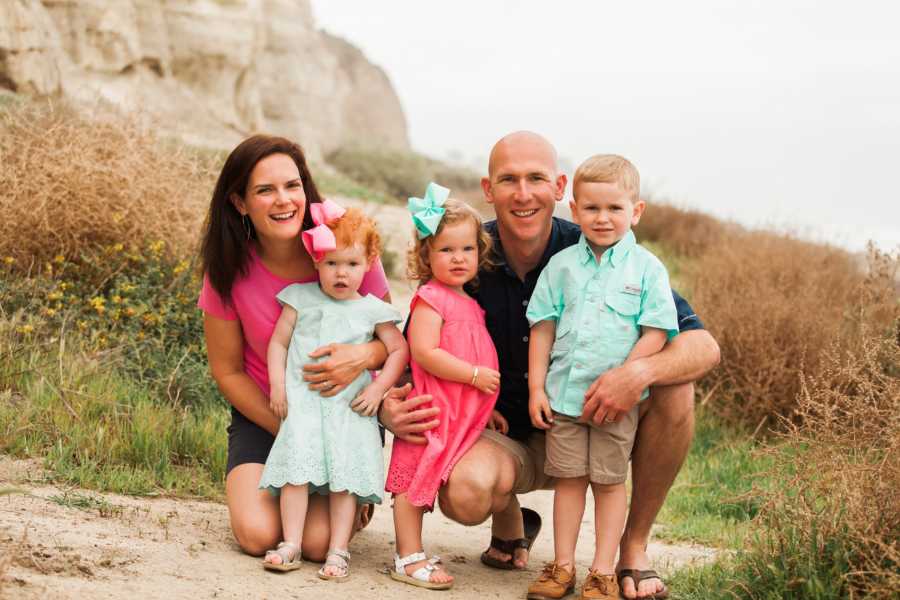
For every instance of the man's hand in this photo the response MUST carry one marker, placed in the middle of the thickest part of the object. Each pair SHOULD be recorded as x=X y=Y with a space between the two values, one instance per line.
x=344 y=364
x=367 y=402
x=403 y=417
x=488 y=380
x=539 y=410
x=278 y=401
x=498 y=423
x=614 y=393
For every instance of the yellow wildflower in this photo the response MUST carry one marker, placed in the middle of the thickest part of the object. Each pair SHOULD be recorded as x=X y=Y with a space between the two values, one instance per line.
x=116 y=299
x=82 y=325
x=180 y=267
x=26 y=329
x=98 y=304
x=59 y=259
x=118 y=247
x=8 y=260
x=49 y=312
x=53 y=296
x=157 y=246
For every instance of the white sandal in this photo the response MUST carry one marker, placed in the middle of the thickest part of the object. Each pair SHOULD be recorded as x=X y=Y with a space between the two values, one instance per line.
x=421 y=577
x=336 y=558
x=289 y=562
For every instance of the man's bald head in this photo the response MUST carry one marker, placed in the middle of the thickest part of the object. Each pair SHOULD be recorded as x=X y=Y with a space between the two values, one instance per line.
x=526 y=142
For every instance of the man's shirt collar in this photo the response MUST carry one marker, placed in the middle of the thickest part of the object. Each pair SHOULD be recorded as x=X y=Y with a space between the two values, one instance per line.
x=616 y=253
x=554 y=245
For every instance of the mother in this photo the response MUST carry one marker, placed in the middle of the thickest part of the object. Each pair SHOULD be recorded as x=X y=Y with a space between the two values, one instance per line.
x=251 y=250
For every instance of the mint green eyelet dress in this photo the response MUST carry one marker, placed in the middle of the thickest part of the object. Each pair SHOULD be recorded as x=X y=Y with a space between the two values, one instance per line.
x=322 y=442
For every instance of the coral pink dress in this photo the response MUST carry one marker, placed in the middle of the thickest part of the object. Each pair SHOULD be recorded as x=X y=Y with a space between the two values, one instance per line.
x=421 y=470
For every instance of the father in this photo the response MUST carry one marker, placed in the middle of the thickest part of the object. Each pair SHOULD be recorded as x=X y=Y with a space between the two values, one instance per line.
x=523 y=184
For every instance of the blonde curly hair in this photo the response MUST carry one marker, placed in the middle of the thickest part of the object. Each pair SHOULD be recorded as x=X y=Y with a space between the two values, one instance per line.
x=455 y=211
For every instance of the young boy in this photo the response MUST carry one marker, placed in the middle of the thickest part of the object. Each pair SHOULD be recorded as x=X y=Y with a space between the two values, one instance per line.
x=596 y=304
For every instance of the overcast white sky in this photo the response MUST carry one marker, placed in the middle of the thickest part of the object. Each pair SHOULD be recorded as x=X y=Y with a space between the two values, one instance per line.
x=781 y=113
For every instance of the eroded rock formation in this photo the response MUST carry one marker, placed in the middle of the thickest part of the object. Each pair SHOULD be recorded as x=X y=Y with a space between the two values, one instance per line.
x=211 y=71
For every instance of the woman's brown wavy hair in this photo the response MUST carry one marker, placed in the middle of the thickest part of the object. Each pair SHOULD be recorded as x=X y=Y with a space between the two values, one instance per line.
x=225 y=248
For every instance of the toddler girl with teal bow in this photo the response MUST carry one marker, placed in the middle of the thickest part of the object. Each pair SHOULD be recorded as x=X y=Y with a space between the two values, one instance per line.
x=453 y=360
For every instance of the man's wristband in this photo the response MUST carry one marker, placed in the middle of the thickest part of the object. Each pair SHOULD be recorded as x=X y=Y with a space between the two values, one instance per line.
x=474 y=376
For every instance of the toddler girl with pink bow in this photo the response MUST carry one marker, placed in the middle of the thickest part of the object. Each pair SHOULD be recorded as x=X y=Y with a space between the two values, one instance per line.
x=329 y=445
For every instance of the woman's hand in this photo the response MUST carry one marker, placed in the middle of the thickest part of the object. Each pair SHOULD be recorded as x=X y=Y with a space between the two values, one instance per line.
x=403 y=416
x=498 y=423
x=344 y=364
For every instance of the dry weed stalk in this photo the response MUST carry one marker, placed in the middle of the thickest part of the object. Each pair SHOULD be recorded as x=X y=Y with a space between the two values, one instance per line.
x=72 y=181
x=840 y=465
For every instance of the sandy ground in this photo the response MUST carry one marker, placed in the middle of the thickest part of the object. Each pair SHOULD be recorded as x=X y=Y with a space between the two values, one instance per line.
x=123 y=547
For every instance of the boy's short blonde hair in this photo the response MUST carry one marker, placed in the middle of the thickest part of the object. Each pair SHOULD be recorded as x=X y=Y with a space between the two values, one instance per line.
x=455 y=211
x=609 y=168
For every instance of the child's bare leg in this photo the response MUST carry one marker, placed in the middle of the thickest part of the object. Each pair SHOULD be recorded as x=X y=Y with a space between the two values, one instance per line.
x=568 y=509
x=341 y=515
x=408 y=529
x=294 y=500
x=609 y=519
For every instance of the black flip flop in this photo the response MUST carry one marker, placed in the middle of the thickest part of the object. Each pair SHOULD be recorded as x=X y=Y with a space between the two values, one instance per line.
x=531 y=522
x=637 y=576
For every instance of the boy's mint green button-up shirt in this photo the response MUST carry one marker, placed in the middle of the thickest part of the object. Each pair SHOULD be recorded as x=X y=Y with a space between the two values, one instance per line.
x=599 y=308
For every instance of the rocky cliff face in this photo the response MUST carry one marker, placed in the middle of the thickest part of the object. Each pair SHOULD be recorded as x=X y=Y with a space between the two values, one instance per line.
x=211 y=71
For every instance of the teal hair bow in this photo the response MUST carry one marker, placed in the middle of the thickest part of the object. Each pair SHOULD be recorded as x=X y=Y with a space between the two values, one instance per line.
x=428 y=211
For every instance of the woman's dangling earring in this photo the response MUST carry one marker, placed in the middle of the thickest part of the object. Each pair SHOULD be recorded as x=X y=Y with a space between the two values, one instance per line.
x=245 y=221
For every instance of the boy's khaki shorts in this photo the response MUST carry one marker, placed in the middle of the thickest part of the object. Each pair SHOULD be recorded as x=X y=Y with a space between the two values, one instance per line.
x=601 y=452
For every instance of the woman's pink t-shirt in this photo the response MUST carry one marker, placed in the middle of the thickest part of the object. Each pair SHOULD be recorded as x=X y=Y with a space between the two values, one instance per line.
x=253 y=303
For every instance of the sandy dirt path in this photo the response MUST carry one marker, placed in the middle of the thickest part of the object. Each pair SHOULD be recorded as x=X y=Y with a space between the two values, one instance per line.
x=69 y=543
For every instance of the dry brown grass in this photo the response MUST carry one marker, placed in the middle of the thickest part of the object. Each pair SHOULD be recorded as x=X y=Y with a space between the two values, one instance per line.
x=686 y=232
x=774 y=303
x=840 y=470
x=72 y=181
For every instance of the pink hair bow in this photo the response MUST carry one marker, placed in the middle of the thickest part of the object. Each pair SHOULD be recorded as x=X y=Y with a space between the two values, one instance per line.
x=320 y=239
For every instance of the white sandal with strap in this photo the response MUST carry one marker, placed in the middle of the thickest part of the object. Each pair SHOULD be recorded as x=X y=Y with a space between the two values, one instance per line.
x=421 y=577
x=336 y=558
x=289 y=562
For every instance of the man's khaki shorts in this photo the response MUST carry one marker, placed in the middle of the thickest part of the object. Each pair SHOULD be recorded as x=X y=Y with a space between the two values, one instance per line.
x=601 y=452
x=529 y=457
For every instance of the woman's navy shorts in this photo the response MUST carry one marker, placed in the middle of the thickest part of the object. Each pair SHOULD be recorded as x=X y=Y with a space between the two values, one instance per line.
x=247 y=442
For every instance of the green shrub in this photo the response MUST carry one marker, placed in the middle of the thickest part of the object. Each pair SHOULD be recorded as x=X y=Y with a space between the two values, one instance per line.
x=398 y=173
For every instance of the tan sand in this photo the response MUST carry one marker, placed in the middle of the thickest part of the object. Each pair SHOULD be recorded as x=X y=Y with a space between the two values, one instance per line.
x=125 y=547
